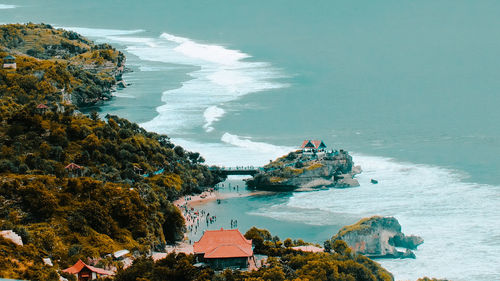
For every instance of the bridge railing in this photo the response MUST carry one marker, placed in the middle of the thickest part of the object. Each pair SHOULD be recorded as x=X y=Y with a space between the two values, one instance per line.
x=240 y=168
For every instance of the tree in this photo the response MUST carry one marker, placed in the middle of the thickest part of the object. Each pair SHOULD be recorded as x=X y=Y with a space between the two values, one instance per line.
x=258 y=237
x=341 y=247
x=94 y=116
x=327 y=246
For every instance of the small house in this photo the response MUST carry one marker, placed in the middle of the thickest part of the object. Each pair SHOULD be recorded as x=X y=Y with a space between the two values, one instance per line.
x=9 y=62
x=310 y=146
x=42 y=108
x=224 y=248
x=74 y=169
x=84 y=272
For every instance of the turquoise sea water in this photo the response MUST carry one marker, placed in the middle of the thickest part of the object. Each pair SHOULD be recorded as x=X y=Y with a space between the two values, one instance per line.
x=410 y=87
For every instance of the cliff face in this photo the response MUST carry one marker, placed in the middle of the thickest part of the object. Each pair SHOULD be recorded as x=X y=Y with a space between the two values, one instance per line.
x=304 y=171
x=90 y=71
x=378 y=237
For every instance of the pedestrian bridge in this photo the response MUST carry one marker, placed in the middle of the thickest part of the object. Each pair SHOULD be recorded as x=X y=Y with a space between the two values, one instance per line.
x=240 y=170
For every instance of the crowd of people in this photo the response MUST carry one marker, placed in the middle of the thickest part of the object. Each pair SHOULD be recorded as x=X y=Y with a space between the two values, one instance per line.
x=195 y=218
x=234 y=223
x=199 y=220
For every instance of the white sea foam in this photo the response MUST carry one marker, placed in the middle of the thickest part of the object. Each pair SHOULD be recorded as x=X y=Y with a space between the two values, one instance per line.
x=7 y=6
x=223 y=75
x=99 y=32
x=459 y=221
x=262 y=147
x=206 y=52
x=212 y=114
x=156 y=68
x=235 y=151
x=123 y=95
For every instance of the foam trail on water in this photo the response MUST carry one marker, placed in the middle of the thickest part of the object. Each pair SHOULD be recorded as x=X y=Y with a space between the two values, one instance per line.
x=99 y=32
x=221 y=75
x=7 y=6
x=262 y=147
x=235 y=151
x=205 y=52
x=212 y=114
x=455 y=218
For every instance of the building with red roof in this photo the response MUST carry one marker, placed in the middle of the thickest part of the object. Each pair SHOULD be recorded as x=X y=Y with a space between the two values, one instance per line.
x=313 y=146
x=42 y=106
x=72 y=166
x=224 y=248
x=86 y=272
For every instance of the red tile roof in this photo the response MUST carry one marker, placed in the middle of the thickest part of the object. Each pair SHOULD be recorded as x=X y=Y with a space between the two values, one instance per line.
x=223 y=243
x=72 y=166
x=315 y=143
x=42 y=106
x=79 y=265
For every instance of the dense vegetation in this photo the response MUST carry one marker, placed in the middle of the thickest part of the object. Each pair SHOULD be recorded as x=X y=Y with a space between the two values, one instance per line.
x=55 y=61
x=283 y=263
x=105 y=206
x=113 y=199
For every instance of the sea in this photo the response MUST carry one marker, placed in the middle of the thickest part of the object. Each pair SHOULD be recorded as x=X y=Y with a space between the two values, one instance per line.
x=409 y=88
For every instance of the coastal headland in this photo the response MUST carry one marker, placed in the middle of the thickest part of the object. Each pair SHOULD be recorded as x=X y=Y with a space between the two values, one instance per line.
x=304 y=170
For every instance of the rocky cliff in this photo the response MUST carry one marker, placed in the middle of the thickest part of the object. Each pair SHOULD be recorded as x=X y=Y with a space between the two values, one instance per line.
x=379 y=237
x=306 y=171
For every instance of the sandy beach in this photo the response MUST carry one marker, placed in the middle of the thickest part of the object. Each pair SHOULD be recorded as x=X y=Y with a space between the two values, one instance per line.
x=191 y=207
x=208 y=196
x=195 y=218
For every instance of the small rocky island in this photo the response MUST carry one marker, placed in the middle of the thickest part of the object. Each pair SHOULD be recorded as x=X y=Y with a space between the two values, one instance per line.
x=311 y=167
x=378 y=237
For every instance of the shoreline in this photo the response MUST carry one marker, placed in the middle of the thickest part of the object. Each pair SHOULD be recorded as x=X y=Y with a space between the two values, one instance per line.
x=208 y=196
x=187 y=206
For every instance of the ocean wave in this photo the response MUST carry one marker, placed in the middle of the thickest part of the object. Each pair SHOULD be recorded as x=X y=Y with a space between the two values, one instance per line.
x=205 y=52
x=222 y=75
x=146 y=68
x=212 y=114
x=456 y=218
x=235 y=151
x=7 y=6
x=262 y=147
x=101 y=32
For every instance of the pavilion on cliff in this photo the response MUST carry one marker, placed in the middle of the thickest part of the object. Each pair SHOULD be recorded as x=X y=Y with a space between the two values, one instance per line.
x=310 y=146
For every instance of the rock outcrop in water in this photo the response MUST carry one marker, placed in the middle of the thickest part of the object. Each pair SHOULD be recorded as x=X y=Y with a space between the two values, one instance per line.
x=378 y=237
x=305 y=171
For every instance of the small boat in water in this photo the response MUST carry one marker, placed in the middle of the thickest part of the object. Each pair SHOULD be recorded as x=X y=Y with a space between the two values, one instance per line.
x=374 y=181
